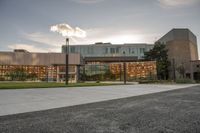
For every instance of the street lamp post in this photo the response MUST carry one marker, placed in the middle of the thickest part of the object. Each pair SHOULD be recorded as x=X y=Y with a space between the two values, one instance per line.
x=67 y=31
x=67 y=62
x=124 y=65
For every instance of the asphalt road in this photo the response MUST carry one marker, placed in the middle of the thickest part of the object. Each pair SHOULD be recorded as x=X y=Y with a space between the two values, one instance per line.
x=176 y=111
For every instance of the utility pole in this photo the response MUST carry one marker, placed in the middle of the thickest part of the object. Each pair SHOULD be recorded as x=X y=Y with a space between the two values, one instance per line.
x=120 y=68
x=124 y=66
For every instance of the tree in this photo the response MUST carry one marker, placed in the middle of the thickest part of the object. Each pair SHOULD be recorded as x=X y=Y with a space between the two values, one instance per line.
x=32 y=76
x=159 y=54
x=181 y=70
x=18 y=75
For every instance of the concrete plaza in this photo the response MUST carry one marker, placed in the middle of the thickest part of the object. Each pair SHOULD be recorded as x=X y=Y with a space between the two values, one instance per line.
x=28 y=100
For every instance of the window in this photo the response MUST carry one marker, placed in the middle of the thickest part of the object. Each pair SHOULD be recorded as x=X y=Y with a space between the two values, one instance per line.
x=71 y=77
x=72 y=49
x=142 y=50
x=112 y=50
x=129 y=50
x=88 y=50
x=117 y=50
x=72 y=69
x=106 y=50
x=133 y=51
x=85 y=50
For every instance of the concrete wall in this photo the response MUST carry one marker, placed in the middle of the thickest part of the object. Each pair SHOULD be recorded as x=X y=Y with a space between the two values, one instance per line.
x=195 y=68
x=46 y=59
x=182 y=47
x=195 y=65
x=180 y=51
x=179 y=34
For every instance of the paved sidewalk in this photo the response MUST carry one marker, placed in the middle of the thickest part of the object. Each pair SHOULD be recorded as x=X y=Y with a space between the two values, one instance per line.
x=28 y=100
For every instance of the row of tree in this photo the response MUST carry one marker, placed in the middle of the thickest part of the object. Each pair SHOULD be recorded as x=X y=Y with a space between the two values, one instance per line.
x=20 y=75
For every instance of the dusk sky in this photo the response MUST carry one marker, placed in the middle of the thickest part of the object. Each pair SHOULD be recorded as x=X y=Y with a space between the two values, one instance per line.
x=26 y=23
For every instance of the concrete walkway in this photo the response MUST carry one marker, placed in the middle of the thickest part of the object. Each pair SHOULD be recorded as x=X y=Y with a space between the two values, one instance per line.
x=28 y=100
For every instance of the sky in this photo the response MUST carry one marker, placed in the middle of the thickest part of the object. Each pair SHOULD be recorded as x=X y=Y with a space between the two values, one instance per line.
x=26 y=23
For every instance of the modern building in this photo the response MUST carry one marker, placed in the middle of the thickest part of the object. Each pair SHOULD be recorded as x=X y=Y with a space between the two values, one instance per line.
x=51 y=67
x=104 y=61
x=182 y=51
x=43 y=66
x=110 y=50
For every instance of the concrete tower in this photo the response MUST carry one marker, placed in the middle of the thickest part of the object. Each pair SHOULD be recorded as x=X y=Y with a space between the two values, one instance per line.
x=182 y=48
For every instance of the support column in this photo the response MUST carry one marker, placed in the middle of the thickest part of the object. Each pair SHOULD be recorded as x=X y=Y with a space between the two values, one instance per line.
x=57 y=74
x=47 y=74
x=75 y=74
x=124 y=72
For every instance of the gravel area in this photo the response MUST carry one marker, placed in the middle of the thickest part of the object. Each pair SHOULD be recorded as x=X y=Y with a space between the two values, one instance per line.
x=176 y=111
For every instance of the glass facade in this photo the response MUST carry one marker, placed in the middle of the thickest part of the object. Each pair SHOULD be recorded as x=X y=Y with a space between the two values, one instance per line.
x=42 y=73
x=110 y=50
x=8 y=71
x=115 y=71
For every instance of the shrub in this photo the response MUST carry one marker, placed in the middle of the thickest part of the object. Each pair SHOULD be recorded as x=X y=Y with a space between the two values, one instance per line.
x=184 y=81
x=2 y=79
x=97 y=81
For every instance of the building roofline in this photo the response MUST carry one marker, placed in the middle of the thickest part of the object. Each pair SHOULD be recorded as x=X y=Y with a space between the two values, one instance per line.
x=173 y=29
x=124 y=44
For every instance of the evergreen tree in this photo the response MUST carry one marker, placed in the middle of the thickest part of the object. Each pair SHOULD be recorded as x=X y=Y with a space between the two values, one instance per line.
x=159 y=54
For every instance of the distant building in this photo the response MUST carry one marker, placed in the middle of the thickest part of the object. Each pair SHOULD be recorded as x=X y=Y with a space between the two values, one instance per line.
x=110 y=50
x=45 y=66
x=182 y=48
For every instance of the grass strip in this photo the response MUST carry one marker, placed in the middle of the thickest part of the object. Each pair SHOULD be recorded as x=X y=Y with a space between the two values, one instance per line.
x=25 y=85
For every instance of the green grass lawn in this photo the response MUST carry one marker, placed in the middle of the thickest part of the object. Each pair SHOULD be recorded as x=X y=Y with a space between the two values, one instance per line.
x=25 y=85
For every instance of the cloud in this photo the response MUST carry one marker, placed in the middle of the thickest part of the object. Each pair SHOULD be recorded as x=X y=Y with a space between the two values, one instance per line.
x=39 y=42
x=176 y=3
x=88 y=1
x=44 y=38
x=117 y=36
x=50 y=42
x=67 y=31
